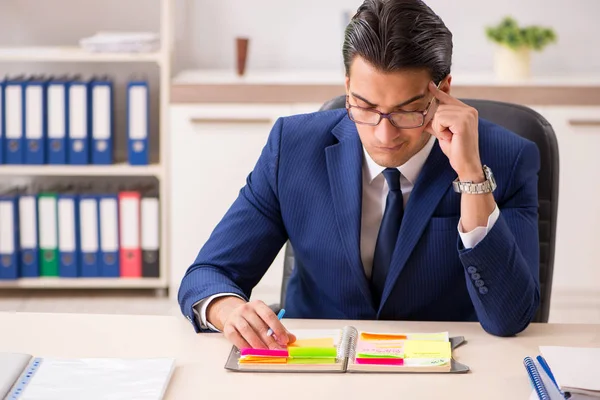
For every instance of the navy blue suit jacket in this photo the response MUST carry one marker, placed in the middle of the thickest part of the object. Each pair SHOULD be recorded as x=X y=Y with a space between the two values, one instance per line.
x=307 y=187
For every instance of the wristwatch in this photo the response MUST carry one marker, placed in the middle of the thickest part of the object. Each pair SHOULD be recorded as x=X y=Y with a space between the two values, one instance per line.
x=488 y=186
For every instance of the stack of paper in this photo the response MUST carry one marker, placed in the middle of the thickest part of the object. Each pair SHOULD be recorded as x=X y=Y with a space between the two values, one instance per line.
x=132 y=42
x=576 y=369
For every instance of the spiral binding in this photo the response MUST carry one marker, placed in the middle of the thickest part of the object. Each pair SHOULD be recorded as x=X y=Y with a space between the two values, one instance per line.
x=536 y=380
x=347 y=345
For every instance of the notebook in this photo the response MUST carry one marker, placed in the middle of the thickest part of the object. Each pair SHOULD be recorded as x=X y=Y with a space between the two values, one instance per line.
x=24 y=377
x=575 y=369
x=350 y=350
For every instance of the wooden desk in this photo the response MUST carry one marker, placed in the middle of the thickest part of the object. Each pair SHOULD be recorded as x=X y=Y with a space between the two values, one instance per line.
x=496 y=363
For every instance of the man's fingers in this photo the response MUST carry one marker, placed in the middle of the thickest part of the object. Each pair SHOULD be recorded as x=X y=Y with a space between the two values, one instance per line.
x=443 y=97
x=248 y=333
x=273 y=322
x=261 y=328
x=235 y=337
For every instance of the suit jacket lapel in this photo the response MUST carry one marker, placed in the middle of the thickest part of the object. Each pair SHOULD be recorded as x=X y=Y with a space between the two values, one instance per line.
x=433 y=182
x=344 y=167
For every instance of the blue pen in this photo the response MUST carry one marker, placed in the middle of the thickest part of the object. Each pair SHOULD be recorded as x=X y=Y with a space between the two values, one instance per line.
x=546 y=368
x=279 y=316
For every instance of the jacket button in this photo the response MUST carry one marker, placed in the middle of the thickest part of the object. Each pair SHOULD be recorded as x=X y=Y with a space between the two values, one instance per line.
x=471 y=269
x=479 y=283
x=483 y=290
x=475 y=276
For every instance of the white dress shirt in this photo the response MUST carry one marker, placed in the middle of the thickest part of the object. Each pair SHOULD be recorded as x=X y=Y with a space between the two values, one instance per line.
x=375 y=191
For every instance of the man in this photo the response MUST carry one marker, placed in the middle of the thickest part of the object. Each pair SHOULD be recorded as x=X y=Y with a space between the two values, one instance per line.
x=390 y=205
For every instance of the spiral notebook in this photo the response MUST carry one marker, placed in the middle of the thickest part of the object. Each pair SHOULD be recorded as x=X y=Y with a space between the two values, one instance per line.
x=24 y=377
x=350 y=350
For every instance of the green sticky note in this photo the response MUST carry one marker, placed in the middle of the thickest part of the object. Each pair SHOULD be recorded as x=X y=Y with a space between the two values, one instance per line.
x=312 y=352
x=311 y=360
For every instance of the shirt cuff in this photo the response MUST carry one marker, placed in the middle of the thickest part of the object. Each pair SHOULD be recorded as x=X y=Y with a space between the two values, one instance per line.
x=201 y=307
x=472 y=238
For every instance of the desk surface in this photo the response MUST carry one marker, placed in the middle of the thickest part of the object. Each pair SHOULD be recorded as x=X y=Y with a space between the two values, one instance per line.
x=496 y=363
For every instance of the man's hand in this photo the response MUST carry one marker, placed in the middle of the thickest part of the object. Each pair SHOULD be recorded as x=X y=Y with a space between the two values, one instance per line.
x=455 y=124
x=246 y=324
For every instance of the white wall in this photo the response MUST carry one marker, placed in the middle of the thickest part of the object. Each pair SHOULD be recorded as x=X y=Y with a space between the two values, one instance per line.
x=307 y=34
x=303 y=34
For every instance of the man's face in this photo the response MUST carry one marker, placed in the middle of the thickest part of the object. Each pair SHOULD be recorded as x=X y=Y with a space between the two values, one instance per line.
x=388 y=145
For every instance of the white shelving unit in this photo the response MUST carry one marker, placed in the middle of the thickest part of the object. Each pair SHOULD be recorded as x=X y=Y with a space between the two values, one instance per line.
x=163 y=58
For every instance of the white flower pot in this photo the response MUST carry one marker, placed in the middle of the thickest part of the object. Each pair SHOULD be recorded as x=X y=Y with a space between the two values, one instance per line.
x=512 y=64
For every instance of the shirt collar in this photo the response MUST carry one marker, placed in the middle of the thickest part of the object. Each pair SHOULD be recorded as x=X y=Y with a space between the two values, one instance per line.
x=410 y=169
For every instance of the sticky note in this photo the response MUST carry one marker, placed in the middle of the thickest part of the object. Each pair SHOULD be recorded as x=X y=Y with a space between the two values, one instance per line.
x=316 y=342
x=311 y=360
x=427 y=349
x=381 y=336
x=262 y=360
x=263 y=352
x=380 y=361
x=312 y=352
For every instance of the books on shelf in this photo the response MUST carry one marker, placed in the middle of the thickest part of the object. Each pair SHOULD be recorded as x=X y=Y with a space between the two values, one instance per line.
x=78 y=232
x=69 y=120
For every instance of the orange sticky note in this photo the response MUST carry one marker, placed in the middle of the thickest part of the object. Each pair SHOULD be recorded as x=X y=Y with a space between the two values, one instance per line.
x=381 y=336
x=318 y=342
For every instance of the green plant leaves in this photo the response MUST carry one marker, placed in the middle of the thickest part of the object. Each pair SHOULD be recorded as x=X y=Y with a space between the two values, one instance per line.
x=508 y=33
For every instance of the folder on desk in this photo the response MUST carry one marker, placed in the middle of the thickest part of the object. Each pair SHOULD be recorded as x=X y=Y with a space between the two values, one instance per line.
x=14 y=114
x=28 y=233
x=89 y=228
x=9 y=240
x=129 y=234
x=35 y=120
x=58 y=116
x=349 y=350
x=102 y=121
x=68 y=235
x=150 y=233
x=79 y=122
x=109 y=236
x=48 y=231
x=23 y=376
x=138 y=122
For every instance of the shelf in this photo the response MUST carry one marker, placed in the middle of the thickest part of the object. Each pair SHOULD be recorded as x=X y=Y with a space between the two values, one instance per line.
x=67 y=54
x=82 y=170
x=84 y=283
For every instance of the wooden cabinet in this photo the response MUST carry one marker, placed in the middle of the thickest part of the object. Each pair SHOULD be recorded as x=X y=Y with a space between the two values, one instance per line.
x=576 y=283
x=213 y=149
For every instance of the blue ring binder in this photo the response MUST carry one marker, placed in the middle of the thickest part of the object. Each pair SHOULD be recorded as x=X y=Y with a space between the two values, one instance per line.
x=536 y=380
x=24 y=380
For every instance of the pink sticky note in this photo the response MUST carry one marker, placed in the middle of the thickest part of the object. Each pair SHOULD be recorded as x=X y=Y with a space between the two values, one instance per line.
x=264 y=353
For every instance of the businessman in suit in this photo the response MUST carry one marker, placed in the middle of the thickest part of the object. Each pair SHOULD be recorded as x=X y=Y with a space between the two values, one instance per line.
x=403 y=206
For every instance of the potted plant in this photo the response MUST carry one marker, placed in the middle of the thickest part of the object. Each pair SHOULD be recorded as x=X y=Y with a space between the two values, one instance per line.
x=514 y=45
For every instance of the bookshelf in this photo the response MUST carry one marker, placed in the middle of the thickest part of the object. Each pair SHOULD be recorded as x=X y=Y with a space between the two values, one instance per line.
x=72 y=54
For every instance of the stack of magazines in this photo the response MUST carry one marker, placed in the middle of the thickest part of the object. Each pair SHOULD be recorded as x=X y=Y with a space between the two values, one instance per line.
x=116 y=42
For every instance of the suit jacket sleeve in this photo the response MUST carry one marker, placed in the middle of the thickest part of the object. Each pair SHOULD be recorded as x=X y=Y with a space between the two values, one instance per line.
x=245 y=242
x=502 y=271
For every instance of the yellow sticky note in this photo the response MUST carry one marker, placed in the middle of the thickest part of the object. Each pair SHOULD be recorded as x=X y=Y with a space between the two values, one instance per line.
x=317 y=342
x=427 y=349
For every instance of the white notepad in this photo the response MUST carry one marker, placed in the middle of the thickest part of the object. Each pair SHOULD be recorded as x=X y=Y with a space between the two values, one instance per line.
x=93 y=378
x=576 y=369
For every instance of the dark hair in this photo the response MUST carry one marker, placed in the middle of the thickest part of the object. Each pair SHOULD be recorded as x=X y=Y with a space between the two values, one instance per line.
x=394 y=35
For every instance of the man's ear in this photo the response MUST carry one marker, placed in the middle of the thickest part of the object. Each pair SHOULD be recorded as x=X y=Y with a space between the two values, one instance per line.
x=446 y=84
x=347 y=84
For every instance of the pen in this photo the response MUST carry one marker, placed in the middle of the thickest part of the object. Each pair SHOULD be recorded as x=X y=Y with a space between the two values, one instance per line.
x=546 y=368
x=279 y=316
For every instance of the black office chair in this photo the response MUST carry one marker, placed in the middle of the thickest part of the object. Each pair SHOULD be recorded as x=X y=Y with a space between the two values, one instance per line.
x=530 y=125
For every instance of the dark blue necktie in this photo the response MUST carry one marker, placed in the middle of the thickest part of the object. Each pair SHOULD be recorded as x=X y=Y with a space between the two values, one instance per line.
x=388 y=233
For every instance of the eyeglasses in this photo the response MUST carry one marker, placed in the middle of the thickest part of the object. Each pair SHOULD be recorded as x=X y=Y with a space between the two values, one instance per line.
x=399 y=119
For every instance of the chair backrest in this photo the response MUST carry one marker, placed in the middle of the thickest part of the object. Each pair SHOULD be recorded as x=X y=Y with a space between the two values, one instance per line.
x=531 y=125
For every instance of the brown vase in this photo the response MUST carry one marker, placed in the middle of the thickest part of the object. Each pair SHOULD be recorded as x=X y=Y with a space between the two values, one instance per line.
x=241 y=54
